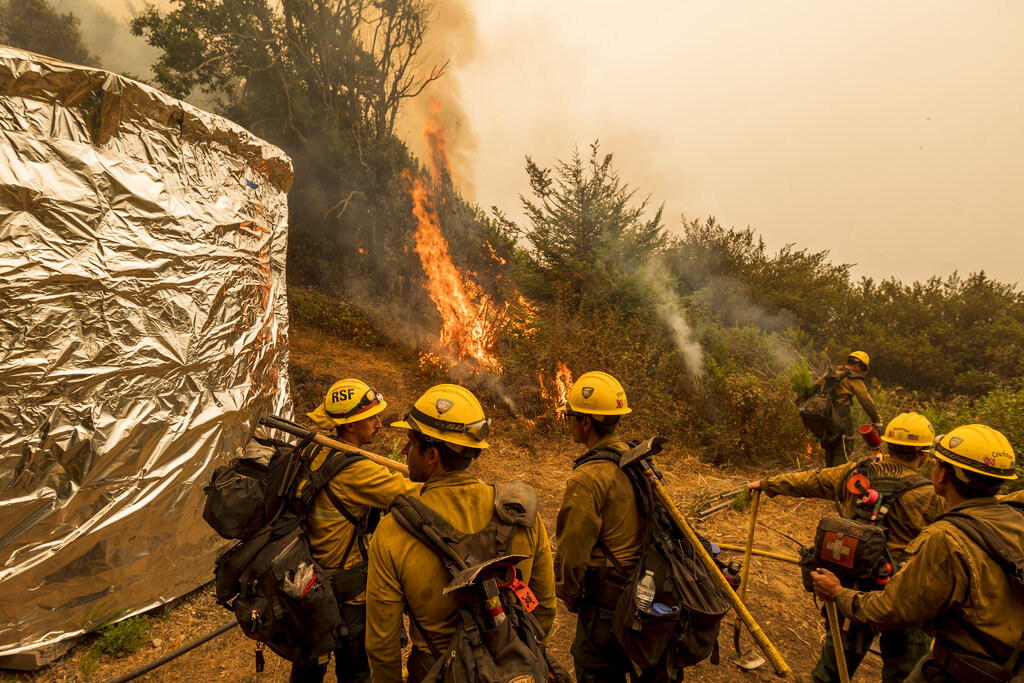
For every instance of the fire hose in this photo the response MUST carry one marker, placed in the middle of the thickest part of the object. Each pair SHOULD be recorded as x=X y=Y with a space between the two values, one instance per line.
x=177 y=653
x=780 y=666
x=284 y=425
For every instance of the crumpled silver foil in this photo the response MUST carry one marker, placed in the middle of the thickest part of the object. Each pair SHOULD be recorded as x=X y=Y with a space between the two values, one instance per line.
x=143 y=320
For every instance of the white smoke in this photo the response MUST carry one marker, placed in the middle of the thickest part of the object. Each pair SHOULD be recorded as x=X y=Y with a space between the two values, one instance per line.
x=653 y=275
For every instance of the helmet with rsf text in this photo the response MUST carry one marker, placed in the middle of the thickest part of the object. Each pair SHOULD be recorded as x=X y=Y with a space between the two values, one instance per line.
x=910 y=429
x=347 y=401
x=596 y=393
x=978 y=449
x=448 y=413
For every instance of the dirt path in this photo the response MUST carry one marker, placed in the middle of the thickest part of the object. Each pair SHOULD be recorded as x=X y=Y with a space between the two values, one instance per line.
x=540 y=456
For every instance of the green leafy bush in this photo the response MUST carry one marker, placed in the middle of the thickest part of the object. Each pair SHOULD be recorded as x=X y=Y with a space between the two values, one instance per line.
x=315 y=309
x=124 y=636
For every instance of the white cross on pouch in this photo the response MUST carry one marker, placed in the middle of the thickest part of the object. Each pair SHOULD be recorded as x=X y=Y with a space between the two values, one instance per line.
x=838 y=549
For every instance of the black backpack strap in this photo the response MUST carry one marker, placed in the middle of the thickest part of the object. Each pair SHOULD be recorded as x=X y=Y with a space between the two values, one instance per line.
x=985 y=538
x=598 y=454
x=320 y=479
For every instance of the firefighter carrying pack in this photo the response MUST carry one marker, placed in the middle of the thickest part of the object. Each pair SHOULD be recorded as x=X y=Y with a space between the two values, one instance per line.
x=280 y=595
x=856 y=550
x=680 y=628
x=1005 y=666
x=820 y=415
x=497 y=638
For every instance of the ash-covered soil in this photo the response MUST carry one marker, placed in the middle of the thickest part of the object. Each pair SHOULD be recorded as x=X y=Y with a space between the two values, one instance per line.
x=542 y=457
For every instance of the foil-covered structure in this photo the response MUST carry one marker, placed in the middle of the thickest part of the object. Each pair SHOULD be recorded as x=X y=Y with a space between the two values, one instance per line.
x=143 y=320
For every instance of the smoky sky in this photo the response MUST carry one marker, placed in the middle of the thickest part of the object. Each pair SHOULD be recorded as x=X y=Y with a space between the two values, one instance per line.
x=886 y=133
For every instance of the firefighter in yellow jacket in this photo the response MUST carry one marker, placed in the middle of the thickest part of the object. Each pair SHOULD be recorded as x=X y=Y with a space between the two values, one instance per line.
x=912 y=505
x=343 y=515
x=446 y=431
x=851 y=385
x=598 y=526
x=950 y=584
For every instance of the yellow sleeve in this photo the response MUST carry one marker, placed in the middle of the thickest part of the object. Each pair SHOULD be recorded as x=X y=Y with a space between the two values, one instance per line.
x=542 y=579
x=385 y=604
x=576 y=530
x=367 y=483
x=824 y=483
x=864 y=398
x=925 y=587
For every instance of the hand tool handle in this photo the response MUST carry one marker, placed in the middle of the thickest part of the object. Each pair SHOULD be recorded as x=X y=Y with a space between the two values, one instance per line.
x=837 y=641
x=290 y=427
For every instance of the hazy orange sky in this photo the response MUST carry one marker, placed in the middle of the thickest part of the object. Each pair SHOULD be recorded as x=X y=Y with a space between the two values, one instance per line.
x=891 y=134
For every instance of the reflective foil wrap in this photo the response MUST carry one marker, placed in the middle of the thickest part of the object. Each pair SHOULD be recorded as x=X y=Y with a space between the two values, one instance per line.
x=143 y=320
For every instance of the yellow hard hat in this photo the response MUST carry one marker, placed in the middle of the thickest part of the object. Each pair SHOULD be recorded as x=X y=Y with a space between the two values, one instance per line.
x=449 y=413
x=597 y=393
x=979 y=449
x=860 y=356
x=348 y=400
x=910 y=429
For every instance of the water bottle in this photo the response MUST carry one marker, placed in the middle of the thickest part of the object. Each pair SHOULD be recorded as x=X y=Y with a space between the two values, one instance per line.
x=644 y=597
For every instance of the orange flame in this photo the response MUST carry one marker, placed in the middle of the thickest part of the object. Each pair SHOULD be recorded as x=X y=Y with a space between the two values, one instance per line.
x=470 y=321
x=465 y=329
x=433 y=134
x=494 y=254
x=556 y=392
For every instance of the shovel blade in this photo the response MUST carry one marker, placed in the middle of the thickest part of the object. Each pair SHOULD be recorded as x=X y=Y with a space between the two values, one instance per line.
x=750 y=660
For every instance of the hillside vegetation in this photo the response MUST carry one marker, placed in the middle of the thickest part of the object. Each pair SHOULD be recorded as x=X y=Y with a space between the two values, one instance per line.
x=716 y=337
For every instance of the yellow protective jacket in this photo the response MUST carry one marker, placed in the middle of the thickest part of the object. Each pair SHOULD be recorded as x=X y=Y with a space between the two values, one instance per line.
x=598 y=504
x=1016 y=496
x=360 y=486
x=850 y=386
x=908 y=516
x=946 y=575
x=406 y=574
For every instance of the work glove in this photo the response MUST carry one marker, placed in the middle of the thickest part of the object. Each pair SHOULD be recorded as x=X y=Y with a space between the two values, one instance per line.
x=299 y=580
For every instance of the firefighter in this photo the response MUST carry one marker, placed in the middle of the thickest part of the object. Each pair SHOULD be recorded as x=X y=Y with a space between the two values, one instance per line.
x=908 y=438
x=950 y=584
x=852 y=384
x=343 y=516
x=446 y=431
x=598 y=526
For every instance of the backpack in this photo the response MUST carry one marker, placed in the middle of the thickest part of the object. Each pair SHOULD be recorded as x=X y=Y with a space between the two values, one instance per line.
x=281 y=597
x=819 y=413
x=681 y=627
x=497 y=638
x=1010 y=561
x=856 y=550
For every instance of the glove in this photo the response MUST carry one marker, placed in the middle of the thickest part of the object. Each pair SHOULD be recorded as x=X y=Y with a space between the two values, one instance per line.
x=298 y=581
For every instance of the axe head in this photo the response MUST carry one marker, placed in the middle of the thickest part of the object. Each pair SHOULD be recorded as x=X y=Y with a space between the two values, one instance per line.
x=644 y=449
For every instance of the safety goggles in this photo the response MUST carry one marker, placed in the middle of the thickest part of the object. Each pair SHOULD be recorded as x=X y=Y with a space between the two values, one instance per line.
x=477 y=431
x=370 y=399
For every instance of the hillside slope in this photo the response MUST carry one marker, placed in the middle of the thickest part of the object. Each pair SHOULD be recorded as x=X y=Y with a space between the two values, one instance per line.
x=541 y=456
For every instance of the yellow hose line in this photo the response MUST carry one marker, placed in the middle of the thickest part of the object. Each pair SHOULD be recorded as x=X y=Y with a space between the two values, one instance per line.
x=755 y=500
x=762 y=553
x=716 y=574
x=837 y=641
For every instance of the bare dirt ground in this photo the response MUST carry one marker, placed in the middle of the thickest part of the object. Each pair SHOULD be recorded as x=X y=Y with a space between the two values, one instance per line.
x=542 y=457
